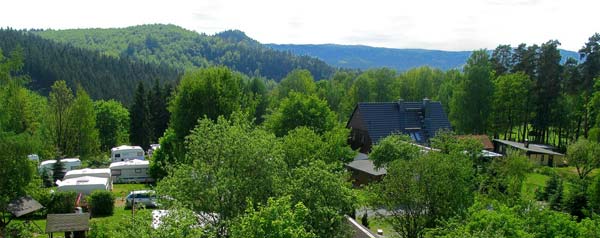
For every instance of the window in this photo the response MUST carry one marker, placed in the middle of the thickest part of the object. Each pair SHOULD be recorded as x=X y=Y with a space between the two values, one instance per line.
x=117 y=155
x=137 y=171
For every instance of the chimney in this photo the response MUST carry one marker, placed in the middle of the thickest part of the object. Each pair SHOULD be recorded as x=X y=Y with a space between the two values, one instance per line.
x=526 y=143
x=425 y=102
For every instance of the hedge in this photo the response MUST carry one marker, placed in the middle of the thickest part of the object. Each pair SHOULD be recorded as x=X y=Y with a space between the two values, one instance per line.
x=102 y=203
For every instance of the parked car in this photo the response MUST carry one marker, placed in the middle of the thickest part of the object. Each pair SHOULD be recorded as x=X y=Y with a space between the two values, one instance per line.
x=141 y=197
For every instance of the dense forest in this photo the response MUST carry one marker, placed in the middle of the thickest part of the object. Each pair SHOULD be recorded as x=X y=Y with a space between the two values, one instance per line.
x=102 y=76
x=183 y=49
x=250 y=157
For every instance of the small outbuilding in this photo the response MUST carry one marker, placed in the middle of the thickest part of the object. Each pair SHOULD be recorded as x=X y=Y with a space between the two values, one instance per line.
x=363 y=170
x=538 y=154
x=72 y=224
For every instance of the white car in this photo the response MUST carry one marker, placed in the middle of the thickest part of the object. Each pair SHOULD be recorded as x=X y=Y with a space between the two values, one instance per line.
x=141 y=197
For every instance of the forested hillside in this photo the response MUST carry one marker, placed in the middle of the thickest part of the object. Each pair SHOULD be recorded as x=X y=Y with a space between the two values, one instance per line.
x=102 y=76
x=365 y=57
x=183 y=49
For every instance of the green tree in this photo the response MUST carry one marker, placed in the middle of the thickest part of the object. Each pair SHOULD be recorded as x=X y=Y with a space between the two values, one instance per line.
x=258 y=89
x=112 y=121
x=230 y=163
x=157 y=107
x=299 y=81
x=83 y=135
x=590 y=70
x=140 y=130
x=585 y=156
x=164 y=158
x=421 y=192
x=302 y=146
x=504 y=178
x=58 y=170
x=211 y=92
x=546 y=90
x=301 y=110
x=394 y=147
x=278 y=219
x=16 y=171
x=509 y=103
x=502 y=60
x=471 y=101
x=327 y=195
x=61 y=98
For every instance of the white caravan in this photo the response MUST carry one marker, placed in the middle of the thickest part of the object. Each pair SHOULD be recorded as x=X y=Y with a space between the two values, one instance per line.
x=70 y=164
x=85 y=185
x=100 y=173
x=126 y=152
x=131 y=171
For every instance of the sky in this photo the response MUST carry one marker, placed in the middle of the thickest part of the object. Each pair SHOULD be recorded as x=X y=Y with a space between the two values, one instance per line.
x=427 y=24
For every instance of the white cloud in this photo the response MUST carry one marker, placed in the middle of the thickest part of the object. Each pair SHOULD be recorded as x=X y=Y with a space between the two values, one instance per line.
x=433 y=24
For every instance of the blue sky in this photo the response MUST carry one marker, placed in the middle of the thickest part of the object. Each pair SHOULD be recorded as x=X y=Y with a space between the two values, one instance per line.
x=428 y=24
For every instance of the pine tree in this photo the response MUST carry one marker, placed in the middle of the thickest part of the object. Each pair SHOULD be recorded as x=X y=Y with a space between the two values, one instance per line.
x=159 y=115
x=140 y=127
x=58 y=170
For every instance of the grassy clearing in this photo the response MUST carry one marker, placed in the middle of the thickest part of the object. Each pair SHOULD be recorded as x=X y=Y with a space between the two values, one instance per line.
x=120 y=191
x=533 y=182
x=376 y=223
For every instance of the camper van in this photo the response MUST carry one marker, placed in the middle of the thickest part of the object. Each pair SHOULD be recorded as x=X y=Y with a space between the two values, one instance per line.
x=100 y=173
x=69 y=163
x=85 y=185
x=131 y=171
x=126 y=152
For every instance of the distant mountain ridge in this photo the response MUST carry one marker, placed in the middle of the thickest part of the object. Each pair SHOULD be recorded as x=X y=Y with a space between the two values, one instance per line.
x=364 y=57
x=180 y=48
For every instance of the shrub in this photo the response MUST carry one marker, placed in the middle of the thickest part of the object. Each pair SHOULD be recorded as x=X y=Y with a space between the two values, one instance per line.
x=62 y=202
x=102 y=203
x=18 y=230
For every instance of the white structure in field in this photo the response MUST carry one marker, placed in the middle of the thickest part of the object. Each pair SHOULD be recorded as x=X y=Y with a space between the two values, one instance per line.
x=131 y=171
x=34 y=157
x=70 y=164
x=153 y=148
x=126 y=152
x=85 y=185
x=100 y=173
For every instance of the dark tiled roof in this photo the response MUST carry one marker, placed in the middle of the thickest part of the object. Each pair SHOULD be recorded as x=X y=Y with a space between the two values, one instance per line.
x=420 y=120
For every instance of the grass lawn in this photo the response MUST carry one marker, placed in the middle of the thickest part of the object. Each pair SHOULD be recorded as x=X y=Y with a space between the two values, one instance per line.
x=532 y=182
x=120 y=191
x=379 y=223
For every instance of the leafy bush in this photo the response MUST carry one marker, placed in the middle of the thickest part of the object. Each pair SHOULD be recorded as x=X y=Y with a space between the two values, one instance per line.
x=18 y=230
x=545 y=170
x=102 y=203
x=62 y=202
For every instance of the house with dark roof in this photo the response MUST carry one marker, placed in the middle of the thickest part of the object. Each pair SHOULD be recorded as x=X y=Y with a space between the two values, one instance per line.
x=372 y=121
